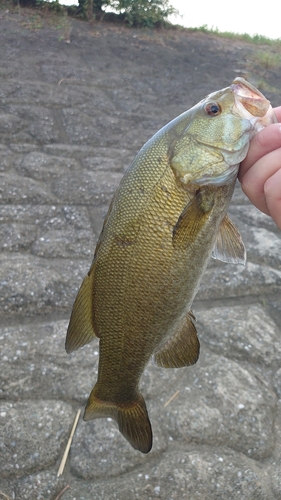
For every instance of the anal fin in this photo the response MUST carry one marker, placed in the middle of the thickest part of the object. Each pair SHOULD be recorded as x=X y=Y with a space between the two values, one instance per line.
x=80 y=329
x=229 y=246
x=182 y=348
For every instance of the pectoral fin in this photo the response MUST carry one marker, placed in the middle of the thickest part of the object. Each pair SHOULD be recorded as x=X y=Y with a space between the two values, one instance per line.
x=229 y=246
x=80 y=329
x=191 y=221
x=182 y=349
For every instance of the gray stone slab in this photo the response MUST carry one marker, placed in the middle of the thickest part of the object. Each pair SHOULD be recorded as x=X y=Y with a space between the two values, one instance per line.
x=277 y=382
x=274 y=465
x=245 y=333
x=102 y=438
x=187 y=474
x=184 y=474
x=275 y=304
x=226 y=280
x=22 y=147
x=47 y=217
x=44 y=485
x=112 y=161
x=109 y=130
x=15 y=189
x=65 y=243
x=7 y=488
x=224 y=404
x=95 y=158
x=250 y=215
x=263 y=246
x=6 y=158
x=97 y=216
x=32 y=285
x=34 y=362
x=239 y=198
x=61 y=92
x=32 y=434
x=70 y=150
x=16 y=236
x=33 y=123
x=10 y=124
x=85 y=187
x=49 y=231
x=42 y=167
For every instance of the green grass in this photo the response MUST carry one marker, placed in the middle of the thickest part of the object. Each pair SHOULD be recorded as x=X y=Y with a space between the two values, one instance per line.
x=257 y=39
x=264 y=86
x=267 y=59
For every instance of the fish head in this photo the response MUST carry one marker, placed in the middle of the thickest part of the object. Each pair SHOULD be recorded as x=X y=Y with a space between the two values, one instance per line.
x=217 y=136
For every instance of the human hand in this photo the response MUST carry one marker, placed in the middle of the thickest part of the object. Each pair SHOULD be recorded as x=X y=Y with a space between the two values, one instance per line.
x=260 y=172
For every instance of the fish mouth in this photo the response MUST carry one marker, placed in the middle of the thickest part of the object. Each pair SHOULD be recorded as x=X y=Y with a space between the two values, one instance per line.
x=252 y=104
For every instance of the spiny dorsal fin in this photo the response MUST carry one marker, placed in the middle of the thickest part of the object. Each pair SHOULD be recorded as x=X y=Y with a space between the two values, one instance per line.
x=182 y=348
x=80 y=329
x=229 y=246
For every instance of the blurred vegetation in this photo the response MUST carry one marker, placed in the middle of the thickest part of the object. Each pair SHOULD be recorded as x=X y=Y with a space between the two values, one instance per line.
x=267 y=59
x=147 y=13
x=257 y=39
x=142 y=13
x=51 y=5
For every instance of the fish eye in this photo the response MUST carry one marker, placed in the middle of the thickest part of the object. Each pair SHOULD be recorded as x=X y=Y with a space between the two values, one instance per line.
x=213 y=109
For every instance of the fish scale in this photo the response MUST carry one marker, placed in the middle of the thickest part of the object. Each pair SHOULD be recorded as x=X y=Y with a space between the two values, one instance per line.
x=166 y=220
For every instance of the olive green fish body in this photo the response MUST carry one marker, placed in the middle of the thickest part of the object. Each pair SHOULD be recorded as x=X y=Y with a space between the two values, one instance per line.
x=154 y=292
x=166 y=219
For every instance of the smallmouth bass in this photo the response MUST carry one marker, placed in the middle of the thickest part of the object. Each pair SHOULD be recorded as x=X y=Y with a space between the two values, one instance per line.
x=166 y=220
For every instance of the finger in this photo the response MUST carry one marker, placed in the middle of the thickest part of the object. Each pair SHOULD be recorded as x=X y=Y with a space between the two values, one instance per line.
x=272 y=191
x=262 y=143
x=277 y=111
x=254 y=180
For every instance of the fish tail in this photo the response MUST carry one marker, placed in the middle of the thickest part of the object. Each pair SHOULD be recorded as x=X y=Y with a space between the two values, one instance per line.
x=131 y=417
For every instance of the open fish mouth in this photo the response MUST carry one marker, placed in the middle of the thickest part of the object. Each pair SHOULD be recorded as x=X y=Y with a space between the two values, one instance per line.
x=252 y=104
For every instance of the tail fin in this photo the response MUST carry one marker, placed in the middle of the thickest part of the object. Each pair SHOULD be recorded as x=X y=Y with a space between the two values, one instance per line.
x=131 y=417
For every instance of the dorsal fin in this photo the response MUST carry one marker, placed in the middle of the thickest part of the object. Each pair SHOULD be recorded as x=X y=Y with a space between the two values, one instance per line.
x=80 y=329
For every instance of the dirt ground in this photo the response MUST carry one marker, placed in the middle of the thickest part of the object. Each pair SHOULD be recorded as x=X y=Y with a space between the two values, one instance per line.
x=196 y=59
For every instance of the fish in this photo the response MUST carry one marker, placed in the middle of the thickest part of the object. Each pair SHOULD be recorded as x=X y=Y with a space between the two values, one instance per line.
x=166 y=220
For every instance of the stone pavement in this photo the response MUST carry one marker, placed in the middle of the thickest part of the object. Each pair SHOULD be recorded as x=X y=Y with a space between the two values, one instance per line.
x=72 y=116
